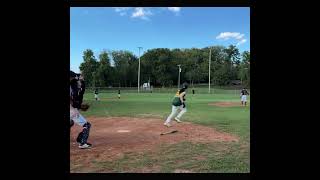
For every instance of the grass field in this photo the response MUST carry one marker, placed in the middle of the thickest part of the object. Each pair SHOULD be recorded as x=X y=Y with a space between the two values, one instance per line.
x=209 y=157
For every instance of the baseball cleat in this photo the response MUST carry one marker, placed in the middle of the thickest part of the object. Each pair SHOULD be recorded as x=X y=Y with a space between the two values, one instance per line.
x=167 y=124
x=85 y=146
x=178 y=120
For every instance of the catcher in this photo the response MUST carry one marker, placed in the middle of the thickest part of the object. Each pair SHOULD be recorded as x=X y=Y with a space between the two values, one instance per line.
x=76 y=97
x=178 y=103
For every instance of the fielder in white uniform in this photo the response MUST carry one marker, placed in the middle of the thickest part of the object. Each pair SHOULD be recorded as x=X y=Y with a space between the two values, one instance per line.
x=243 y=96
x=96 y=95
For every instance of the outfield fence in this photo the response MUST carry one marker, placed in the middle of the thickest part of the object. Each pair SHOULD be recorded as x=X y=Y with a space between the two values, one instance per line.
x=197 y=90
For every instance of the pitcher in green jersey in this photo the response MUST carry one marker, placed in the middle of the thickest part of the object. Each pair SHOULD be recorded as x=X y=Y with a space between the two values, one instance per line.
x=178 y=103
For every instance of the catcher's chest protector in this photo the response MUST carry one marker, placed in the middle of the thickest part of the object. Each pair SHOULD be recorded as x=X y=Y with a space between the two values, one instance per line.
x=76 y=94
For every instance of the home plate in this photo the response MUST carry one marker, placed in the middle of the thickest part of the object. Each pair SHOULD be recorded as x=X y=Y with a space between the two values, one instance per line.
x=123 y=131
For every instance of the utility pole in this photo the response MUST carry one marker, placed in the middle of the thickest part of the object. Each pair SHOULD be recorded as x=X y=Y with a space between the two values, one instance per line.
x=179 y=65
x=209 y=68
x=139 y=71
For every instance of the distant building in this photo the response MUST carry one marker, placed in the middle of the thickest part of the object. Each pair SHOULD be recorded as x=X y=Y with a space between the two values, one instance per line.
x=146 y=86
x=235 y=82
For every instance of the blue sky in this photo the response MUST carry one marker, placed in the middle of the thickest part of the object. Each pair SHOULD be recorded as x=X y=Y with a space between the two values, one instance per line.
x=156 y=27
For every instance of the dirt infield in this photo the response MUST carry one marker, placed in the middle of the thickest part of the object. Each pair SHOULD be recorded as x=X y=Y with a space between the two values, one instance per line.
x=111 y=137
x=225 y=104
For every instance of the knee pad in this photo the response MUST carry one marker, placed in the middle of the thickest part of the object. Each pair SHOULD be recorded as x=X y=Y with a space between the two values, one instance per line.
x=87 y=125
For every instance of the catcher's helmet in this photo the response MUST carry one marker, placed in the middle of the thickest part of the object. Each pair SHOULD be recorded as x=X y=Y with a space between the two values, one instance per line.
x=73 y=74
x=185 y=85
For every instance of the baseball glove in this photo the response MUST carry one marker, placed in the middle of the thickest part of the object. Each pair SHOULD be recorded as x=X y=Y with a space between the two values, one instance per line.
x=183 y=105
x=84 y=107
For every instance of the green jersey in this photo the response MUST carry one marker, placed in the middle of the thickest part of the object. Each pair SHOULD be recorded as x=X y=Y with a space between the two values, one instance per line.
x=176 y=100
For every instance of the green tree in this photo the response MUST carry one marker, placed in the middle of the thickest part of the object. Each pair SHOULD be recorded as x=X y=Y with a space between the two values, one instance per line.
x=125 y=67
x=160 y=66
x=88 y=66
x=232 y=60
x=104 y=70
x=244 y=72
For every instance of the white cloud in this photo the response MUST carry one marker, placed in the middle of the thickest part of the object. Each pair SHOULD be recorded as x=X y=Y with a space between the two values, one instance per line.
x=239 y=36
x=233 y=35
x=141 y=13
x=174 y=9
x=228 y=35
x=241 y=42
x=119 y=9
x=138 y=12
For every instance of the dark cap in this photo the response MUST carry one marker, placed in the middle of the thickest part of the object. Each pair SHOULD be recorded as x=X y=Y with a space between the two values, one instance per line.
x=185 y=85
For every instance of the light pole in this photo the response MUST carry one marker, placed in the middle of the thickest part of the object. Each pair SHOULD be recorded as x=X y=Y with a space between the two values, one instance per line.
x=209 y=68
x=179 y=65
x=139 y=71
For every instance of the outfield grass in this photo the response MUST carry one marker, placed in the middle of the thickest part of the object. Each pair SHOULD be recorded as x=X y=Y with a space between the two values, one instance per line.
x=217 y=157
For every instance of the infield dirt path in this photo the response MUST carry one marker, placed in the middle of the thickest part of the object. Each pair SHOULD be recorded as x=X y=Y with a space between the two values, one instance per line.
x=111 y=137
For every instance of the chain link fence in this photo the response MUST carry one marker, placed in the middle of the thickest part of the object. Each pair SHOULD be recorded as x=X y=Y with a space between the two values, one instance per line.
x=197 y=89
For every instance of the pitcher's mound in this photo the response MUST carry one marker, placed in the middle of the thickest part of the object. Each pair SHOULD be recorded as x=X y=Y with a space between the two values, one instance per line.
x=113 y=136
x=225 y=104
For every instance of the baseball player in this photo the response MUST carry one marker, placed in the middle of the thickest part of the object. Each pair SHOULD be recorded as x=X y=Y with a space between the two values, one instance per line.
x=178 y=103
x=119 y=94
x=96 y=93
x=243 y=96
x=75 y=116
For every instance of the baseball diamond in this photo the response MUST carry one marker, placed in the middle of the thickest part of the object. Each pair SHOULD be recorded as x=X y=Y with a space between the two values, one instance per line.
x=126 y=134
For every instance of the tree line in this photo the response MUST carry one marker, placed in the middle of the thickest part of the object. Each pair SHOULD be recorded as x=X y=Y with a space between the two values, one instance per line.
x=159 y=66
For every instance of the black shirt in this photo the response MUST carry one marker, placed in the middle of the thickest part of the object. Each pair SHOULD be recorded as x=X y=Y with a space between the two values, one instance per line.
x=244 y=92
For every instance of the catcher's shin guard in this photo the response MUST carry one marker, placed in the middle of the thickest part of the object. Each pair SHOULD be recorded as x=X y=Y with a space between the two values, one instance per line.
x=79 y=138
x=84 y=135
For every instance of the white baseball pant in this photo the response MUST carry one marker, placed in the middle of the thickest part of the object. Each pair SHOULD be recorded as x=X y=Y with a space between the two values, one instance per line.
x=174 y=112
